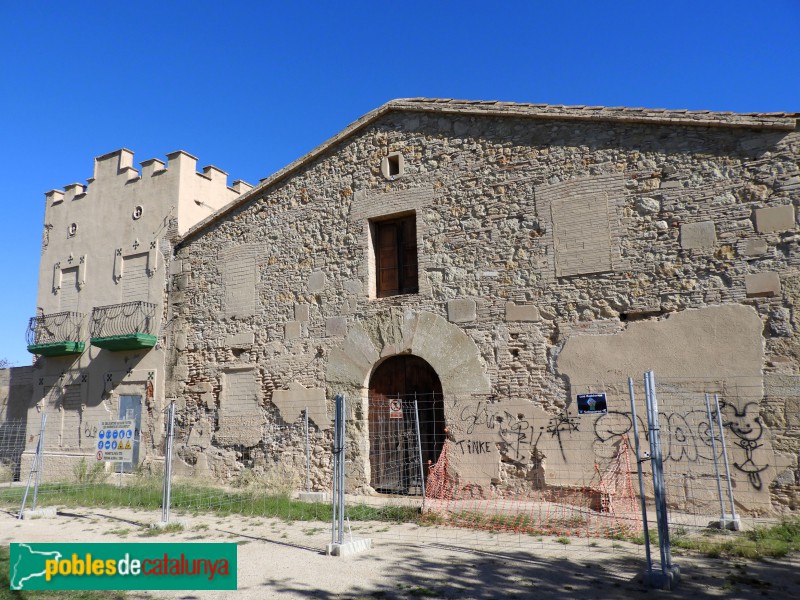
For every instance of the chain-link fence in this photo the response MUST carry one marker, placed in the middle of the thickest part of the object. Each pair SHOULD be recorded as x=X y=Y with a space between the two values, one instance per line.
x=467 y=470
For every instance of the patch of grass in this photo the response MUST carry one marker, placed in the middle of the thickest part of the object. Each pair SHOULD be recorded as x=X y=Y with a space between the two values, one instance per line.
x=762 y=542
x=122 y=531
x=145 y=494
x=639 y=538
x=563 y=540
x=85 y=473
x=154 y=531
x=422 y=592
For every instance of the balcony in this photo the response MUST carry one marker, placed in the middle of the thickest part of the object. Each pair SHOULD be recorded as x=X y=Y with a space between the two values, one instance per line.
x=127 y=326
x=58 y=334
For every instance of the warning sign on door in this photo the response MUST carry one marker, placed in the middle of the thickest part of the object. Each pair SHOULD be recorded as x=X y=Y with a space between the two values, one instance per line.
x=115 y=440
x=395 y=409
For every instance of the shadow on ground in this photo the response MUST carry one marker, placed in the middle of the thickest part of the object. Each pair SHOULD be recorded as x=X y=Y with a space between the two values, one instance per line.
x=468 y=573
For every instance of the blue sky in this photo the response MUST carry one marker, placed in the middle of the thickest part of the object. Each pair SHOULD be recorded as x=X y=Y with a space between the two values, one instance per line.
x=250 y=86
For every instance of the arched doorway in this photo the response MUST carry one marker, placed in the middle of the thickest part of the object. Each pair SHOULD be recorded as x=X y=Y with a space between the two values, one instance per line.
x=394 y=446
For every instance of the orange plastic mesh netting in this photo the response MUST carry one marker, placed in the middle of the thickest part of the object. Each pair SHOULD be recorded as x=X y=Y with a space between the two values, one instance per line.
x=605 y=508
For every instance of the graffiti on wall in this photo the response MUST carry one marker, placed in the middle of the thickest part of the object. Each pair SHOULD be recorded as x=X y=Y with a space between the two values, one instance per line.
x=686 y=435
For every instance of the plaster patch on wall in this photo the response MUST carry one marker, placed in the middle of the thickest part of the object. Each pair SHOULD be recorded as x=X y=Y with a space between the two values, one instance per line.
x=581 y=216
x=293 y=401
x=240 y=414
x=238 y=268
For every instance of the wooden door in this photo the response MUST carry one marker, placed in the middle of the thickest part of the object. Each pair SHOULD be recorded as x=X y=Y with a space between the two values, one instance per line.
x=394 y=451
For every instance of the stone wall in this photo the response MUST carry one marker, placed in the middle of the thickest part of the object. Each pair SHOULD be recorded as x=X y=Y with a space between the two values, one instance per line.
x=537 y=239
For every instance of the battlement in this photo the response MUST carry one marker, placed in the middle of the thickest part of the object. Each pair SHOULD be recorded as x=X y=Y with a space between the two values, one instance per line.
x=174 y=183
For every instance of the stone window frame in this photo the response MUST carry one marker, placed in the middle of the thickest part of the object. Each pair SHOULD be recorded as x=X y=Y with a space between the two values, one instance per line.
x=407 y=279
x=249 y=252
x=368 y=206
x=393 y=166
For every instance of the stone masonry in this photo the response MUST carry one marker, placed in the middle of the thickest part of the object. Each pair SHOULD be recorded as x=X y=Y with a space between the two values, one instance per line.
x=559 y=251
x=546 y=237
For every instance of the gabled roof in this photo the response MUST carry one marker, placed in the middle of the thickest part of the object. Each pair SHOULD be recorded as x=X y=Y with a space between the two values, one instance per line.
x=780 y=121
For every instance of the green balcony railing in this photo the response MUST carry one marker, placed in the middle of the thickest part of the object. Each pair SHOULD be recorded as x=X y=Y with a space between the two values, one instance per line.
x=127 y=326
x=58 y=334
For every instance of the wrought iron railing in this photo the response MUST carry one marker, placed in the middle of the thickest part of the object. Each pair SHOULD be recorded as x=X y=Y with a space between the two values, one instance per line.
x=54 y=328
x=123 y=319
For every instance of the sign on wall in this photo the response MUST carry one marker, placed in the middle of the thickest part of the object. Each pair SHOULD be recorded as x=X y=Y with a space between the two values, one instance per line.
x=592 y=404
x=115 y=440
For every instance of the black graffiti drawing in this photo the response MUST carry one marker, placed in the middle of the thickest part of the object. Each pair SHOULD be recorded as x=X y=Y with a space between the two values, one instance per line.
x=513 y=431
x=686 y=436
x=746 y=425
x=614 y=424
x=562 y=423
x=473 y=447
x=480 y=416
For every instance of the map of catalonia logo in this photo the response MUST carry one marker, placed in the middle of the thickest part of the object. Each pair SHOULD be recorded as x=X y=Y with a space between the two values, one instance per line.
x=117 y=566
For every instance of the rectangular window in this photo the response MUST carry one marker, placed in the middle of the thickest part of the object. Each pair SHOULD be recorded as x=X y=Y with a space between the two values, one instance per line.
x=395 y=243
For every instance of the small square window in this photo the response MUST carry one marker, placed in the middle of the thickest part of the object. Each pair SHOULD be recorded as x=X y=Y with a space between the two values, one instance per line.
x=392 y=166
x=395 y=251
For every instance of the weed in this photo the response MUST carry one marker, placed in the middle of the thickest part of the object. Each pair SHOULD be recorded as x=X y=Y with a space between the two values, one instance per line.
x=90 y=474
x=169 y=528
x=422 y=592
x=6 y=473
x=563 y=540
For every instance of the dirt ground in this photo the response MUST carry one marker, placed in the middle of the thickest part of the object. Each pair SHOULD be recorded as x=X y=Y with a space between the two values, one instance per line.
x=286 y=560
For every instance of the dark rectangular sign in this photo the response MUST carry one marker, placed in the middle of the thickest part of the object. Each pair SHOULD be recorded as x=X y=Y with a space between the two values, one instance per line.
x=592 y=404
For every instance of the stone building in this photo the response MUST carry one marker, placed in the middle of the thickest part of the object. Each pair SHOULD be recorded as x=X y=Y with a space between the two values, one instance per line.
x=106 y=252
x=492 y=260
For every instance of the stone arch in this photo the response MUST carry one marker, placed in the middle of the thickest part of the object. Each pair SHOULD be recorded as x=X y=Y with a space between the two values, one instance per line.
x=446 y=347
x=451 y=353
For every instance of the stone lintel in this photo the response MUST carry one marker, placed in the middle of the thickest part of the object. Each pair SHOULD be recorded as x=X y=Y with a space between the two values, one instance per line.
x=240 y=340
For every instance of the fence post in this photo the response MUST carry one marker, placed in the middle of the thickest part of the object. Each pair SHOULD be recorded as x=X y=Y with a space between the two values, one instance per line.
x=170 y=436
x=713 y=435
x=308 y=452
x=419 y=451
x=641 y=478
x=35 y=469
x=735 y=524
x=670 y=575
x=337 y=524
